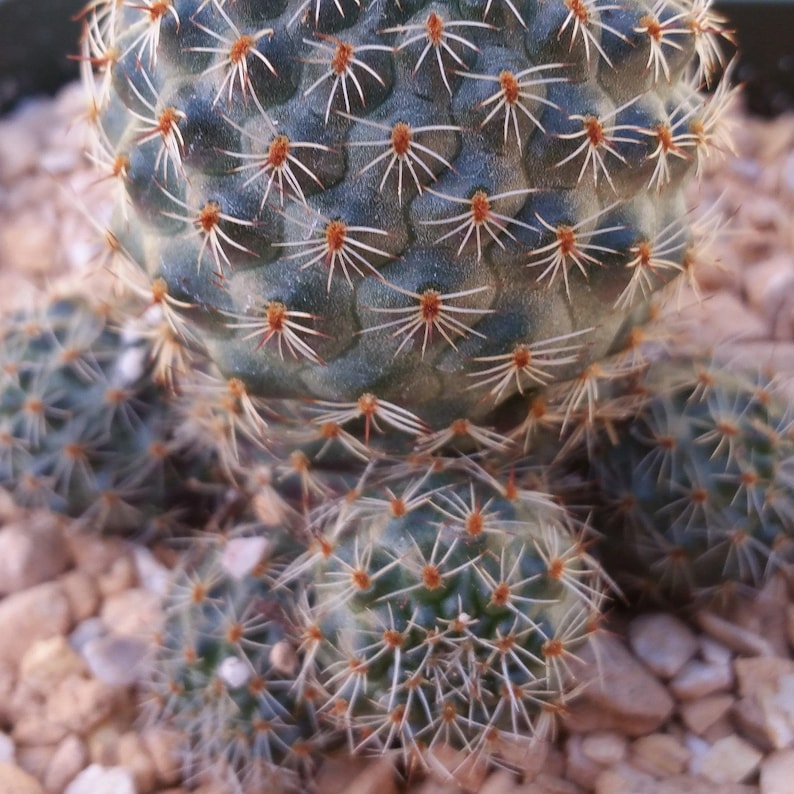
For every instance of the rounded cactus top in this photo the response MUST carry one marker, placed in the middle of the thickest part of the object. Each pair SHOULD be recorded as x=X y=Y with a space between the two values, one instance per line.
x=404 y=212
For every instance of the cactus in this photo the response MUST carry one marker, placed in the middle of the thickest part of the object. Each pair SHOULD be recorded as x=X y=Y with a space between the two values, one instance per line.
x=83 y=428
x=225 y=665
x=435 y=604
x=699 y=490
x=404 y=213
x=408 y=236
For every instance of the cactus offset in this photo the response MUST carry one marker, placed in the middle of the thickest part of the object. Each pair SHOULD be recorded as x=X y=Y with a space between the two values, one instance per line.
x=700 y=489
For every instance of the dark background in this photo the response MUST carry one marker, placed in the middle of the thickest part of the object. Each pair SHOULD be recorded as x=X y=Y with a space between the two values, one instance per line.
x=37 y=35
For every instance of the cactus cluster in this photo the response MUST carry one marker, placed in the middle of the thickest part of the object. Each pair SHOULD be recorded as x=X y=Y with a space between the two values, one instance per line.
x=83 y=427
x=699 y=491
x=400 y=256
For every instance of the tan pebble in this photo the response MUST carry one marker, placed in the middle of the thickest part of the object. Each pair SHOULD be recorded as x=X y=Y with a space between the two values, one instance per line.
x=337 y=772
x=733 y=636
x=550 y=784
x=19 y=150
x=605 y=747
x=759 y=675
x=103 y=744
x=729 y=760
x=578 y=767
x=624 y=779
x=687 y=784
x=165 y=749
x=79 y=704
x=698 y=679
x=35 y=760
x=133 y=612
x=699 y=715
x=14 y=780
x=134 y=757
x=625 y=697
x=660 y=755
x=92 y=554
x=31 y=615
x=47 y=662
x=719 y=730
x=777 y=772
x=32 y=728
x=378 y=777
x=663 y=642
x=8 y=684
x=82 y=593
x=499 y=782
x=750 y=720
x=118 y=578
x=32 y=551
x=70 y=756
x=28 y=243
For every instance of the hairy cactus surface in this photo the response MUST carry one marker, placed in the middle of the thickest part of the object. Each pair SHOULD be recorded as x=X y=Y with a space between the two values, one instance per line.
x=404 y=212
x=700 y=488
x=83 y=428
x=443 y=607
x=425 y=607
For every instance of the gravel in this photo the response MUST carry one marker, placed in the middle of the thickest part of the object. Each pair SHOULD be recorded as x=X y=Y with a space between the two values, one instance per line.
x=704 y=706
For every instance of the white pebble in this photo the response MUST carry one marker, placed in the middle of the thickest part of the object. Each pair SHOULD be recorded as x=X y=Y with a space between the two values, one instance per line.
x=96 y=779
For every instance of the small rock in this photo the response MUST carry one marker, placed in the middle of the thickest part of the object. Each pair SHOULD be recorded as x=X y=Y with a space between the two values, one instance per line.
x=241 y=555
x=378 y=777
x=730 y=760
x=734 y=637
x=605 y=747
x=116 y=661
x=19 y=151
x=777 y=772
x=152 y=575
x=32 y=551
x=663 y=642
x=118 y=578
x=92 y=554
x=761 y=674
x=698 y=679
x=78 y=704
x=14 y=780
x=528 y=756
x=134 y=756
x=623 y=696
x=96 y=779
x=165 y=747
x=31 y=615
x=82 y=593
x=47 y=662
x=660 y=755
x=34 y=760
x=70 y=756
x=578 y=767
x=134 y=612
x=550 y=784
x=624 y=779
x=33 y=729
x=6 y=749
x=714 y=652
x=499 y=782
x=699 y=715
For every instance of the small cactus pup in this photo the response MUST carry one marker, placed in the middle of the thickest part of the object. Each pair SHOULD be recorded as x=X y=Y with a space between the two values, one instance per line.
x=699 y=489
x=225 y=667
x=83 y=428
x=443 y=608
x=404 y=213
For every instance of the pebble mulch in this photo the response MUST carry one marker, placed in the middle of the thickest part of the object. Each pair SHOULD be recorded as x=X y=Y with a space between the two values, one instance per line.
x=703 y=705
